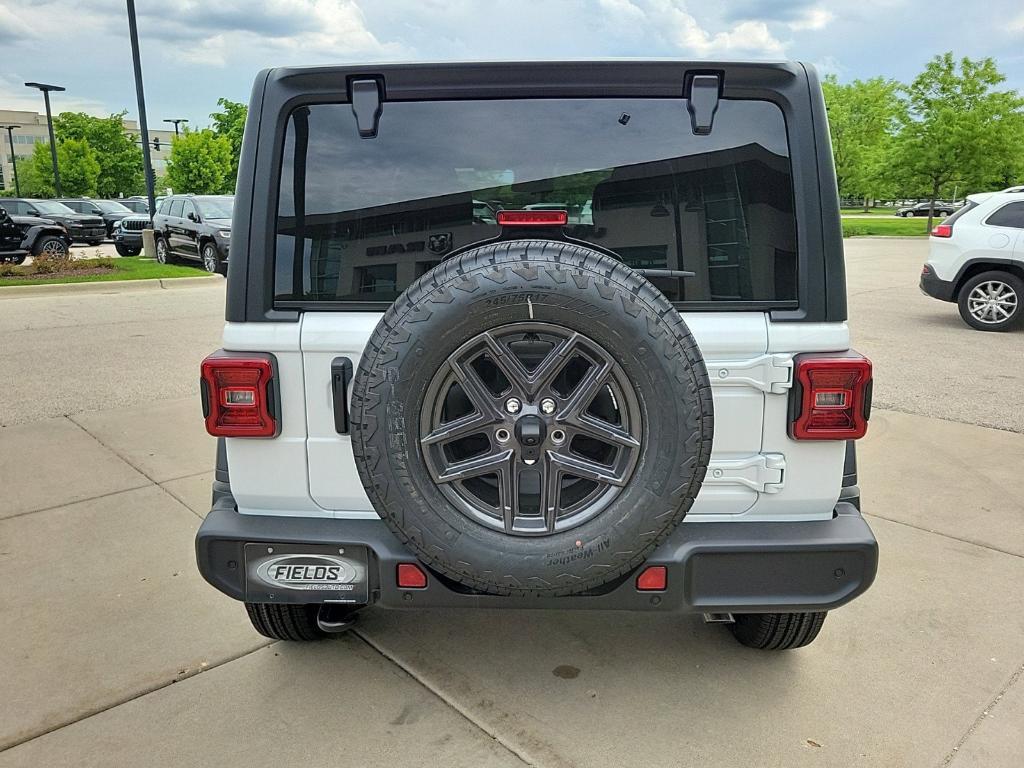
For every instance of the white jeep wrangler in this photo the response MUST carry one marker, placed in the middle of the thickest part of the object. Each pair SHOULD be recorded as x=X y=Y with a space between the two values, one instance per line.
x=537 y=335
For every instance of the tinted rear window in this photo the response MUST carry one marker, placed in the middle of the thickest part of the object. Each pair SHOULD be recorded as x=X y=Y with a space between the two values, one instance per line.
x=1011 y=215
x=360 y=219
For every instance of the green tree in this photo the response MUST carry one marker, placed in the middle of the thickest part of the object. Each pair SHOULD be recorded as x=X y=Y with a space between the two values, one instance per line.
x=959 y=128
x=230 y=123
x=79 y=170
x=200 y=162
x=863 y=118
x=120 y=158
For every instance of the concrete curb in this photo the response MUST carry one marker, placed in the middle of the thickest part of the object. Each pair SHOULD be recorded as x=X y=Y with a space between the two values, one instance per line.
x=102 y=286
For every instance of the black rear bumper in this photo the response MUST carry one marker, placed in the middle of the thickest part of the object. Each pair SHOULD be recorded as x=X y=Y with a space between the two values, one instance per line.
x=938 y=289
x=747 y=567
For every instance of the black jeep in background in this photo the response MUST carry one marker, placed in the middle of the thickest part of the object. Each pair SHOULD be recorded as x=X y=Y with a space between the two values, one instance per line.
x=23 y=236
x=82 y=228
x=110 y=211
x=195 y=227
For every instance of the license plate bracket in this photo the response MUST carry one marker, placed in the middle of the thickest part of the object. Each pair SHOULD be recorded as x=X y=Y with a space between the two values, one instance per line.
x=306 y=573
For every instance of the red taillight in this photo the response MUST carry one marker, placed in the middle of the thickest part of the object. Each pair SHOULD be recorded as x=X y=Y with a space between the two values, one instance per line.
x=942 y=230
x=653 y=578
x=238 y=394
x=533 y=218
x=832 y=397
x=410 y=576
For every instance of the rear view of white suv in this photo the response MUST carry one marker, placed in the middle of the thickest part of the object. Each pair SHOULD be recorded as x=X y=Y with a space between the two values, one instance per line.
x=977 y=261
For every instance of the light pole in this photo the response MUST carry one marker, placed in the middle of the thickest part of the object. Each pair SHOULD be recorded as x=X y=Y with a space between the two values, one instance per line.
x=133 y=32
x=49 y=126
x=176 y=120
x=14 y=160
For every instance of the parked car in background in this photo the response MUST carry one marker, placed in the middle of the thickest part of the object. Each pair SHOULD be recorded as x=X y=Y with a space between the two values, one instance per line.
x=128 y=234
x=135 y=204
x=110 y=211
x=83 y=228
x=977 y=260
x=195 y=227
x=921 y=209
x=24 y=236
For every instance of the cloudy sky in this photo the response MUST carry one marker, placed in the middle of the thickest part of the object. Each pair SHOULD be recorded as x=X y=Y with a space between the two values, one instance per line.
x=194 y=51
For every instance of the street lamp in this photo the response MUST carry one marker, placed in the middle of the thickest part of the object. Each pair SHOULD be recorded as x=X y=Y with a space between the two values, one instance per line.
x=133 y=34
x=176 y=120
x=14 y=161
x=49 y=125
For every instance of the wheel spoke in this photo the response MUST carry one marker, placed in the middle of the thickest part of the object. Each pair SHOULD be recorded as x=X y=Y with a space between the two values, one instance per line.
x=551 y=365
x=550 y=494
x=486 y=464
x=589 y=470
x=506 y=362
x=461 y=427
x=479 y=395
x=587 y=425
x=586 y=390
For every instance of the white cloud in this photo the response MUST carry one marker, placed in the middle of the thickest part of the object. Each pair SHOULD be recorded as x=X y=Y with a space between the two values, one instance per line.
x=814 y=19
x=671 y=22
x=304 y=29
x=14 y=95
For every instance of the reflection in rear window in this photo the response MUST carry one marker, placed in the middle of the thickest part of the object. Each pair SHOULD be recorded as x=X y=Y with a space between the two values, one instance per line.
x=360 y=219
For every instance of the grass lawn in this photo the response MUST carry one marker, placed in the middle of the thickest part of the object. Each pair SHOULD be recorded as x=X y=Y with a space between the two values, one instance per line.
x=123 y=269
x=868 y=212
x=916 y=227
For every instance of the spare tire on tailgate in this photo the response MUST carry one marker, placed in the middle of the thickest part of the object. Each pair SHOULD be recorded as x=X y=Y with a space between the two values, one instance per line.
x=532 y=418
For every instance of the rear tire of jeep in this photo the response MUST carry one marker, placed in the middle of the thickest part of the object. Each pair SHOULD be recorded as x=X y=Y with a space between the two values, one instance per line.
x=285 y=622
x=539 y=335
x=777 y=631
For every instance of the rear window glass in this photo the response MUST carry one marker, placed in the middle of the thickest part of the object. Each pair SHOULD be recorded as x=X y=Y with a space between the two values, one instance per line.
x=1011 y=215
x=360 y=219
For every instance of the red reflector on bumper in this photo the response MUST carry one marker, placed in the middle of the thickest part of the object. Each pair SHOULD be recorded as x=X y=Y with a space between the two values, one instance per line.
x=410 y=576
x=654 y=578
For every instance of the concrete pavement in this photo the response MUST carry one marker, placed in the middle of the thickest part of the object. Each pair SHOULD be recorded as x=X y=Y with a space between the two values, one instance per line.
x=113 y=650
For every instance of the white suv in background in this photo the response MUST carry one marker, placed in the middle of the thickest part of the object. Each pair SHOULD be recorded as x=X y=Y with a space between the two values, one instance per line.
x=977 y=260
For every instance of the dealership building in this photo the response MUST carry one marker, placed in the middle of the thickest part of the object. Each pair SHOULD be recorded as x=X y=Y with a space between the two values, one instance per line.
x=33 y=131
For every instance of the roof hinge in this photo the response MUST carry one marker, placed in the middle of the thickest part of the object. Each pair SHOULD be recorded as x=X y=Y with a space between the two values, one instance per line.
x=703 y=103
x=367 y=103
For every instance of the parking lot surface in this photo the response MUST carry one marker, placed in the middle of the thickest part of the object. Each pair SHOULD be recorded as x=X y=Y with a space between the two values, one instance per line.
x=115 y=652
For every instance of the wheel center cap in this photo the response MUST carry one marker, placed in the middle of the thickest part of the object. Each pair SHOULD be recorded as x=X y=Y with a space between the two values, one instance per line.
x=531 y=432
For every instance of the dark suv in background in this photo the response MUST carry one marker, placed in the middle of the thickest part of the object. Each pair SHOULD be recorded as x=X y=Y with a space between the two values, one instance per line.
x=82 y=228
x=23 y=236
x=196 y=227
x=110 y=211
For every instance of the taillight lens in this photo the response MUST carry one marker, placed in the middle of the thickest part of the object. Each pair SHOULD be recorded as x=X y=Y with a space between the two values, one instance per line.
x=942 y=230
x=832 y=397
x=238 y=394
x=533 y=218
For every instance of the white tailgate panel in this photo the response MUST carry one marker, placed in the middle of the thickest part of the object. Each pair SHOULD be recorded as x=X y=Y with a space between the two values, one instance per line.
x=269 y=476
x=730 y=343
x=756 y=473
x=333 y=480
x=814 y=468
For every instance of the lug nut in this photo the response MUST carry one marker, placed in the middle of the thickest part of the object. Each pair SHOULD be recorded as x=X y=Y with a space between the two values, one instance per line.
x=512 y=405
x=547 y=405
